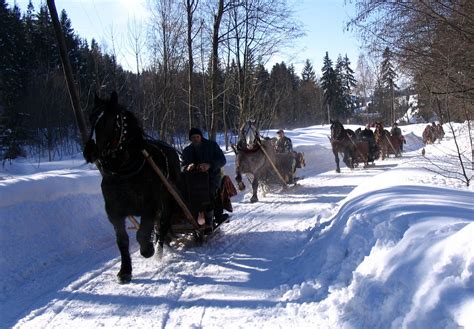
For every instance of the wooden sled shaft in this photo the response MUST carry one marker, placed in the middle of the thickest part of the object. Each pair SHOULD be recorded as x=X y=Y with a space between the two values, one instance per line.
x=171 y=189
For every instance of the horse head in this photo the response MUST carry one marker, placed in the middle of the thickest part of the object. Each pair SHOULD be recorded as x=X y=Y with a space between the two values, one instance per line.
x=337 y=130
x=379 y=127
x=114 y=133
x=249 y=135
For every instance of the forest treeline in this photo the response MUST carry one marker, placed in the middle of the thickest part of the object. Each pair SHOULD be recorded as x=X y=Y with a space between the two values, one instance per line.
x=208 y=67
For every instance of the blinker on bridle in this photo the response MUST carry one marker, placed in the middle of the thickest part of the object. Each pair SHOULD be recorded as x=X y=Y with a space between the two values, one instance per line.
x=115 y=144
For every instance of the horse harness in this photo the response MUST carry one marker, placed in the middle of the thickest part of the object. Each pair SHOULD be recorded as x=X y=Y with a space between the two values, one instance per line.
x=117 y=147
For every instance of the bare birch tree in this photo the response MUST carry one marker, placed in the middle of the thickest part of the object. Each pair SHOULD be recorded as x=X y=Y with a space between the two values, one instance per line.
x=260 y=29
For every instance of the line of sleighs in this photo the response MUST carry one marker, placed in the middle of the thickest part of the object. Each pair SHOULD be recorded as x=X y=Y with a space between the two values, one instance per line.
x=365 y=145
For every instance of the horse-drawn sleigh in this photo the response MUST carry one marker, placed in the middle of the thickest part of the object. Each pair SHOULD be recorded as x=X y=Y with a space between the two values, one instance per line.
x=387 y=143
x=142 y=177
x=257 y=157
x=362 y=146
x=354 y=146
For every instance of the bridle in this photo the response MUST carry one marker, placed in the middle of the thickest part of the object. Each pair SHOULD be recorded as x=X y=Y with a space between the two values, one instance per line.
x=117 y=147
x=250 y=135
x=340 y=132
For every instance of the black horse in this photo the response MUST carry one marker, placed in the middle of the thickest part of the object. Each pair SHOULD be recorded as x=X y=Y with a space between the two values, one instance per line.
x=342 y=142
x=129 y=184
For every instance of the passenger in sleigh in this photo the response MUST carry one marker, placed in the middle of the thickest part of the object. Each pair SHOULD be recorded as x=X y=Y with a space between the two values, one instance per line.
x=204 y=155
x=368 y=135
x=397 y=132
x=284 y=145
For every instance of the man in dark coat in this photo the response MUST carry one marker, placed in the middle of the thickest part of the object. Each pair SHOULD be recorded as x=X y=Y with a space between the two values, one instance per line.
x=283 y=144
x=205 y=156
x=397 y=132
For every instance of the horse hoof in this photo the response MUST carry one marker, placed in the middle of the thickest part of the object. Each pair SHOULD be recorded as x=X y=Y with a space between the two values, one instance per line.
x=241 y=186
x=253 y=199
x=148 y=251
x=124 y=278
x=338 y=170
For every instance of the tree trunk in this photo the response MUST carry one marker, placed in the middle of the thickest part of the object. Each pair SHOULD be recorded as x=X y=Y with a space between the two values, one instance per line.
x=214 y=69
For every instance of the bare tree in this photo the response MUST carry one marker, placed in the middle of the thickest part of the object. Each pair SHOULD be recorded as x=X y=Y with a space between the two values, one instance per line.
x=137 y=43
x=434 y=42
x=421 y=34
x=166 y=40
x=259 y=30
x=190 y=6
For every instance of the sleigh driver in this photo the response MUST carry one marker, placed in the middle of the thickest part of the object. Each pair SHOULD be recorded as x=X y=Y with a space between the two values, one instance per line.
x=288 y=157
x=206 y=159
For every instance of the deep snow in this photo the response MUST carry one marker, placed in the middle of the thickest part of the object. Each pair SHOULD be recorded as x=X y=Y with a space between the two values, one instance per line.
x=389 y=246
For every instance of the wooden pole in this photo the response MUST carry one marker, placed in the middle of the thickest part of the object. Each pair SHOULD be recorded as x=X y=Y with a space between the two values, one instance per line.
x=74 y=96
x=67 y=69
x=171 y=189
x=273 y=165
x=391 y=145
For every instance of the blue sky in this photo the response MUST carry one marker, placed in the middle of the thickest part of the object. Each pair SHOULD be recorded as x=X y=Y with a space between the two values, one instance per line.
x=323 y=21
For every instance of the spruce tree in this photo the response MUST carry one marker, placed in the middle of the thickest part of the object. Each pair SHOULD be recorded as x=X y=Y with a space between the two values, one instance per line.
x=310 y=96
x=12 y=81
x=388 y=77
x=333 y=93
x=348 y=82
x=308 y=72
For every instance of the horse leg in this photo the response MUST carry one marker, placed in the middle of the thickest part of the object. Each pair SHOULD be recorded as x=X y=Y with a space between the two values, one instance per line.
x=336 y=158
x=162 y=232
x=348 y=160
x=144 y=236
x=240 y=183
x=254 y=197
x=121 y=236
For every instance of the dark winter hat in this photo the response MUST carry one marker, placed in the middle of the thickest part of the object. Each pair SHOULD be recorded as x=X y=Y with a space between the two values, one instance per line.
x=194 y=131
x=280 y=131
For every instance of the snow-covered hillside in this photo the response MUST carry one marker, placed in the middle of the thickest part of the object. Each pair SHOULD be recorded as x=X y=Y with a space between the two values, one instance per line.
x=390 y=246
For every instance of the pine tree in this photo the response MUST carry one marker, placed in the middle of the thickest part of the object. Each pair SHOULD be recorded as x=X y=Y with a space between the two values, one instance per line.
x=333 y=93
x=310 y=96
x=388 y=77
x=308 y=72
x=348 y=82
x=12 y=81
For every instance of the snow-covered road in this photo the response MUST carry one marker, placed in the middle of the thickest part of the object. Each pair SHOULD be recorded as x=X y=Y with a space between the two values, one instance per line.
x=387 y=246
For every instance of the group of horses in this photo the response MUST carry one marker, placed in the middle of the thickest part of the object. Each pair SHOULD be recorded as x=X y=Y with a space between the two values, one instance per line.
x=433 y=132
x=357 y=148
x=140 y=176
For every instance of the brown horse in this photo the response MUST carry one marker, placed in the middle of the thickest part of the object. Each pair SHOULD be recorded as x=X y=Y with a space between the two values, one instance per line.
x=439 y=132
x=387 y=143
x=341 y=142
x=361 y=154
x=429 y=135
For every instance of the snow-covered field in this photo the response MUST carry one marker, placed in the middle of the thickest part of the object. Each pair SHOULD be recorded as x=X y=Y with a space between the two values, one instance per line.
x=390 y=246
